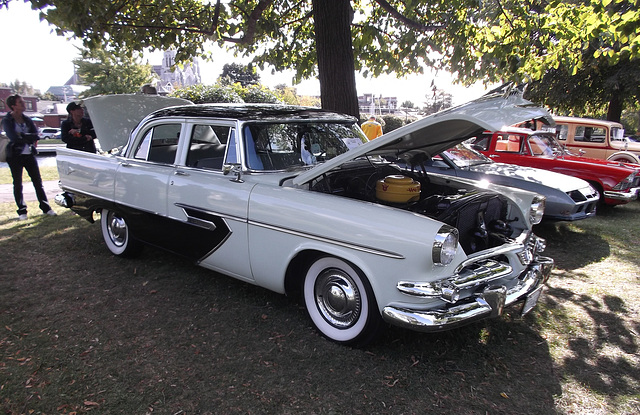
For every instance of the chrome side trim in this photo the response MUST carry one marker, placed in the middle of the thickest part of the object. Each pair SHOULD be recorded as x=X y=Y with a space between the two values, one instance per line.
x=360 y=248
x=208 y=225
x=184 y=206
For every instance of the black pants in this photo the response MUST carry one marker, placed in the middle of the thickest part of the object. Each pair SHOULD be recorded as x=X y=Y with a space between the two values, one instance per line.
x=29 y=163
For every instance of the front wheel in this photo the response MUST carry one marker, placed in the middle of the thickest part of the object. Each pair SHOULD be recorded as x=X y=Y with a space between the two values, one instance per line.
x=117 y=235
x=340 y=302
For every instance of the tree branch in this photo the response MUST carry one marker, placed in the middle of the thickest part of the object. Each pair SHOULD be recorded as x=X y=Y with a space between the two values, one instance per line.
x=408 y=22
x=251 y=23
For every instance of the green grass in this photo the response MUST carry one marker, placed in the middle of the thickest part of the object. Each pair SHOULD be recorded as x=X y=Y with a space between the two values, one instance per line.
x=83 y=331
x=47 y=173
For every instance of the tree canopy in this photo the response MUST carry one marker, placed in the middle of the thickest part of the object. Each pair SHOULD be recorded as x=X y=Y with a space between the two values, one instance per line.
x=111 y=72
x=245 y=75
x=489 y=40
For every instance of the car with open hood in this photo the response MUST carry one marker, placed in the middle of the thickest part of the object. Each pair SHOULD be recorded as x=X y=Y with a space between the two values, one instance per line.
x=616 y=182
x=296 y=200
x=567 y=198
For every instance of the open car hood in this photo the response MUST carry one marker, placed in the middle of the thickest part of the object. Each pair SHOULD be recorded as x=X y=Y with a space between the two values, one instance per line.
x=115 y=116
x=438 y=132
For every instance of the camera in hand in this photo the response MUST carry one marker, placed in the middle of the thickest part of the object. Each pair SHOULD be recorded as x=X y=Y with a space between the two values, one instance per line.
x=29 y=138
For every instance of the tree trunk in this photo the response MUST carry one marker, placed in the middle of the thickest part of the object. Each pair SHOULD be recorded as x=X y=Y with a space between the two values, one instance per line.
x=614 y=113
x=334 y=48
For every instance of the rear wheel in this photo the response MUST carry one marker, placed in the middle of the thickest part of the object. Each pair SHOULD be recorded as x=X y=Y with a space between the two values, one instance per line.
x=117 y=235
x=340 y=302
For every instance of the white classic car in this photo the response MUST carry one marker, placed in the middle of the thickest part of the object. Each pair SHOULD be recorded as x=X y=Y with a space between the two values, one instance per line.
x=297 y=201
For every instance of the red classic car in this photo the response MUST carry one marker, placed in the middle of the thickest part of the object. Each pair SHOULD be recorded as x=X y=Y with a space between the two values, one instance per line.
x=617 y=182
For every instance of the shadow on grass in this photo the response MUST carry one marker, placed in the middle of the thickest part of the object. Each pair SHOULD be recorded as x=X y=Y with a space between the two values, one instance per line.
x=83 y=330
x=589 y=310
x=601 y=342
x=571 y=247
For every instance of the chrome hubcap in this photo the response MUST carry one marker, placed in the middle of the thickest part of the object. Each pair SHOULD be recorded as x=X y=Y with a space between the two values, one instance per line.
x=117 y=230
x=337 y=298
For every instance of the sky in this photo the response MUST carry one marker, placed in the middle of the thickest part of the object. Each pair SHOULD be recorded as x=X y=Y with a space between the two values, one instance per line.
x=34 y=54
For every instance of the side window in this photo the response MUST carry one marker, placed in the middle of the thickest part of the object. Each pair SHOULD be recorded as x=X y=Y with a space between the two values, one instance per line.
x=563 y=132
x=598 y=134
x=232 y=154
x=160 y=144
x=208 y=146
x=508 y=143
x=590 y=134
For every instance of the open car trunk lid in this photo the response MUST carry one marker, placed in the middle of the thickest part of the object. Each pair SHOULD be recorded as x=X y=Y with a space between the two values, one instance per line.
x=115 y=116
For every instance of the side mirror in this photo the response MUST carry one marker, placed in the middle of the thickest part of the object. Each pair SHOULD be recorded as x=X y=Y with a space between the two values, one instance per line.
x=234 y=168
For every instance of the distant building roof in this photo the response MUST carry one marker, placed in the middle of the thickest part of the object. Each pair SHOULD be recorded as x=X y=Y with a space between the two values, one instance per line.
x=67 y=92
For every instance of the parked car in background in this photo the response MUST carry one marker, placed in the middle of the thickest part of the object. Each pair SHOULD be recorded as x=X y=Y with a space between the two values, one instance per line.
x=48 y=133
x=598 y=139
x=568 y=198
x=296 y=200
x=617 y=182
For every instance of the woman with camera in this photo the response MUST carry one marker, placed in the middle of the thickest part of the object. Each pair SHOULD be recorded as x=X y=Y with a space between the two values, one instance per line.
x=21 y=154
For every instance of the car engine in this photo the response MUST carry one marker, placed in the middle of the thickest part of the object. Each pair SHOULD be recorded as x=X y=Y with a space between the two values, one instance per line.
x=479 y=215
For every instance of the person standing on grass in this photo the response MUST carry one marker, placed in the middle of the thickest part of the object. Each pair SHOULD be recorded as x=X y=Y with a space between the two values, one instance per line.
x=21 y=154
x=372 y=128
x=77 y=131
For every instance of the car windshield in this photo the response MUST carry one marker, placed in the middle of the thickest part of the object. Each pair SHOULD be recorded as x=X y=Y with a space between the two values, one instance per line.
x=284 y=146
x=464 y=156
x=544 y=144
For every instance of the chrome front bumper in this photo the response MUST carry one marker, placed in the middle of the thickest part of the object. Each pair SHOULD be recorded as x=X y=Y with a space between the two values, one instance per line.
x=489 y=303
x=629 y=196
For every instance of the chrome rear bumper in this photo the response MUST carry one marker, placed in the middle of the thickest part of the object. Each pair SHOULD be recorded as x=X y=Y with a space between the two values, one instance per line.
x=489 y=303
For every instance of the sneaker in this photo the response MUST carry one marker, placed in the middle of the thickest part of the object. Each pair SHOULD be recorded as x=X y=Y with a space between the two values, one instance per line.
x=22 y=217
x=51 y=213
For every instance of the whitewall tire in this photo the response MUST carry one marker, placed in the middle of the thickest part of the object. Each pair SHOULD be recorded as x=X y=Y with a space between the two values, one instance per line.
x=340 y=302
x=117 y=235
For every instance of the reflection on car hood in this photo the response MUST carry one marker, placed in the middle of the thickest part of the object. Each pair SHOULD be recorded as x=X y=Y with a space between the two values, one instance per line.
x=440 y=131
x=115 y=116
x=548 y=178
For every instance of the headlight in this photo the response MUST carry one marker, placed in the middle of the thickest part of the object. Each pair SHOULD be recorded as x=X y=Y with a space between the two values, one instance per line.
x=445 y=245
x=626 y=183
x=537 y=209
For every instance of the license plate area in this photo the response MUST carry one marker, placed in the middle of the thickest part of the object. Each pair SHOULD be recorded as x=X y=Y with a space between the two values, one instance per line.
x=531 y=300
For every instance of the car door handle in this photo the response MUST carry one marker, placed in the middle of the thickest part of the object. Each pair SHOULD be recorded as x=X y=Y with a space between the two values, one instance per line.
x=493 y=155
x=180 y=173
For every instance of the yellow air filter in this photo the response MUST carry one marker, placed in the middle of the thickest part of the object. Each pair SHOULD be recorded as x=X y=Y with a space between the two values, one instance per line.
x=397 y=189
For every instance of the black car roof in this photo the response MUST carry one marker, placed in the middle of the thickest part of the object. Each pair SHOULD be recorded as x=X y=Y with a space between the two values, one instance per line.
x=251 y=112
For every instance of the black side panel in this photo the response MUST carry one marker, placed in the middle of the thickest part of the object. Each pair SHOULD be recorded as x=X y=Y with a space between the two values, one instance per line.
x=190 y=240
